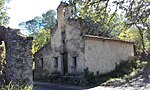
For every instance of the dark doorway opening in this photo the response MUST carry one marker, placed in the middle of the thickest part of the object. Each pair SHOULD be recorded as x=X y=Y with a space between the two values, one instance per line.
x=65 y=63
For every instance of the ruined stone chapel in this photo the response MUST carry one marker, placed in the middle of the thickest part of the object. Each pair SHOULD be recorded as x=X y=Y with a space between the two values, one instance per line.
x=70 y=51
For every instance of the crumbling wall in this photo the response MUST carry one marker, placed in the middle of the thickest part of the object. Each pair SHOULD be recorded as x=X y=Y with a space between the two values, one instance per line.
x=73 y=52
x=2 y=34
x=75 y=46
x=42 y=62
x=53 y=50
x=1 y=58
x=1 y=65
x=66 y=43
x=18 y=56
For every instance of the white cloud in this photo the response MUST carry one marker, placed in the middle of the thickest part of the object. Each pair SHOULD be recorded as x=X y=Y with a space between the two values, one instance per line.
x=23 y=10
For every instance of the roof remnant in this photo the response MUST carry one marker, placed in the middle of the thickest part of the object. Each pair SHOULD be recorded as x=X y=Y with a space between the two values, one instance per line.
x=106 y=38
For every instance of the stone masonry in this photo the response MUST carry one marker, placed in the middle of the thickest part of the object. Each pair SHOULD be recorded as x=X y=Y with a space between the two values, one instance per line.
x=18 y=56
x=71 y=51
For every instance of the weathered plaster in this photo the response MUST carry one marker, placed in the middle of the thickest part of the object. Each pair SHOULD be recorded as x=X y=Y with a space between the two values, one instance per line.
x=97 y=53
x=75 y=45
x=103 y=55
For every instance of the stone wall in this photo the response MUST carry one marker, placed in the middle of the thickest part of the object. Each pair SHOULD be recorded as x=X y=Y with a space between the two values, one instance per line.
x=103 y=55
x=1 y=65
x=1 y=58
x=73 y=52
x=75 y=46
x=2 y=34
x=18 y=57
x=43 y=62
x=51 y=51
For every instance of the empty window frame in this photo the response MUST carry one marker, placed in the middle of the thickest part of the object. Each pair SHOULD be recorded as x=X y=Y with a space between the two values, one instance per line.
x=74 y=62
x=42 y=62
x=55 y=62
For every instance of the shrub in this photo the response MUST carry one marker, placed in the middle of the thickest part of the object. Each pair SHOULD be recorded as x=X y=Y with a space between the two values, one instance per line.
x=89 y=76
x=131 y=68
x=10 y=86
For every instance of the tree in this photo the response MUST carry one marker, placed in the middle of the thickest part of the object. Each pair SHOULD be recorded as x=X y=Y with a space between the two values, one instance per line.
x=33 y=26
x=4 y=19
x=42 y=38
x=39 y=28
x=137 y=15
x=107 y=14
x=97 y=17
x=49 y=19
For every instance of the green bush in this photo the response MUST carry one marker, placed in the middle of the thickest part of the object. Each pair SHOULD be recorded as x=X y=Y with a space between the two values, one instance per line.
x=14 y=87
x=89 y=76
x=126 y=69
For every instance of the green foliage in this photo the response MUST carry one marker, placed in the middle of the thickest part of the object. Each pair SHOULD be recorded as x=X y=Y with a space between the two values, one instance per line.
x=33 y=26
x=110 y=18
x=42 y=38
x=49 y=19
x=10 y=86
x=4 y=19
x=126 y=69
x=132 y=35
x=99 y=21
x=89 y=76
x=137 y=16
x=39 y=28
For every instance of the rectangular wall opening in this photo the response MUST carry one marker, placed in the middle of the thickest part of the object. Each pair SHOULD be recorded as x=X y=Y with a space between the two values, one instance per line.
x=56 y=62
x=74 y=62
x=42 y=63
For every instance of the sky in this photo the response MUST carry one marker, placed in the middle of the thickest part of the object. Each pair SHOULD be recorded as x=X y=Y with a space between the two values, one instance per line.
x=24 y=10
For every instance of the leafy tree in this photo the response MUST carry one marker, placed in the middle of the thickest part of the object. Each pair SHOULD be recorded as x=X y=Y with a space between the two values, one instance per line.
x=33 y=26
x=42 y=38
x=97 y=17
x=133 y=36
x=49 y=19
x=39 y=28
x=136 y=13
x=117 y=16
x=4 y=19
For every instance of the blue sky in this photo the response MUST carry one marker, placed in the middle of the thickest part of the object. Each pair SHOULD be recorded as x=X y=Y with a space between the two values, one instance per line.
x=23 y=10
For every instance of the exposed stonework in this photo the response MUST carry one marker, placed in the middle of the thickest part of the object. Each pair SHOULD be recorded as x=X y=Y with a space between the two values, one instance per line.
x=1 y=58
x=2 y=34
x=42 y=62
x=1 y=65
x=18 y=56
x=71 y=51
